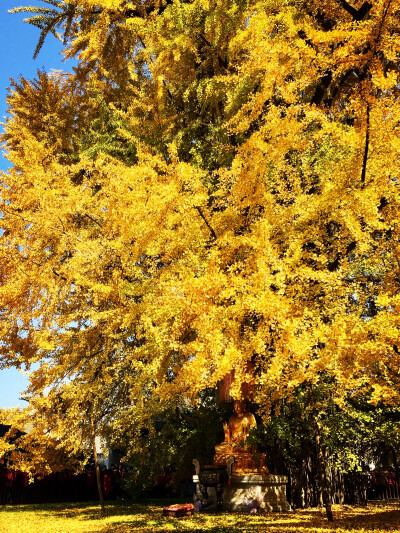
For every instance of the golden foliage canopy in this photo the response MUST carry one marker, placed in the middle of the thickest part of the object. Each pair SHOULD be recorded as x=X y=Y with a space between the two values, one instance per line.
x=215 y=183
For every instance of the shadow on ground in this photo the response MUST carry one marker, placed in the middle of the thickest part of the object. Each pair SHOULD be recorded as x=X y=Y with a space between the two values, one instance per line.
x=148 y=518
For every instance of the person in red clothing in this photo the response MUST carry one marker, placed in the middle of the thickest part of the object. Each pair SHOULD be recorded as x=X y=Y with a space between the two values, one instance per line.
x=106 y=482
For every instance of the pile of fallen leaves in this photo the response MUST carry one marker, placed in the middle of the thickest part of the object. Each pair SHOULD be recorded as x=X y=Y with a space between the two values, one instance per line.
x=375 y=517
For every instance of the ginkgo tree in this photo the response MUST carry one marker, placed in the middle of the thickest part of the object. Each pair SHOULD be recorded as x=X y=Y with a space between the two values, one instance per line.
x=215 y=184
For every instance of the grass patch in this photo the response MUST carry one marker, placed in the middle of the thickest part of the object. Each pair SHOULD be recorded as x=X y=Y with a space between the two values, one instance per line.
x=145 y=517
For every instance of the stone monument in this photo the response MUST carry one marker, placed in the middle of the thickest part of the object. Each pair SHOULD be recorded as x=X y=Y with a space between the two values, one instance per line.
x=239 y=479
x=250 y=484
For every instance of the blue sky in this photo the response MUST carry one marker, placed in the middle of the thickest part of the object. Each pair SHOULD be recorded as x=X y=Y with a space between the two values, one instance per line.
x=17 y=43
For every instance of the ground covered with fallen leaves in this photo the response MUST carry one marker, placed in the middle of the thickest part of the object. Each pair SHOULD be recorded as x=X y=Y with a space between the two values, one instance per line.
x=145 y=517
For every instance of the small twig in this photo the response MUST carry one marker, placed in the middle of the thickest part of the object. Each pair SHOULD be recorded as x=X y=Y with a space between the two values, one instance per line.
x=94 y=220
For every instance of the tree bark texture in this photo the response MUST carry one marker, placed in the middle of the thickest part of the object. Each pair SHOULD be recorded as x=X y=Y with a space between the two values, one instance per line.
x=321 y=465
x=96 y=464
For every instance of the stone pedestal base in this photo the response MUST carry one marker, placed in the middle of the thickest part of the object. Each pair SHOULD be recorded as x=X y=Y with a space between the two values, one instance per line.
x=243 y=463
x=265 y=492
x=209 y=484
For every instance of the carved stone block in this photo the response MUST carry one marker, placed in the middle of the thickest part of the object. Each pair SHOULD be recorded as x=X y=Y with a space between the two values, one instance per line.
x=264 y=492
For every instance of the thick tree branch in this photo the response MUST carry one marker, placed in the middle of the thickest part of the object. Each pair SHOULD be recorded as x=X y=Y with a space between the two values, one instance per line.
x=172 y=98
x=213 y=234
x=334 y=265
x=357 y=14
x=366 y=149
x=222 y=62
x=321 y=88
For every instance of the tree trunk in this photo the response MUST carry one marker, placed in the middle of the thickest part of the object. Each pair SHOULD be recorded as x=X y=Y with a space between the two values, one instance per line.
x=321 y=465
x=340 y=488
x=395 y=463
x=96 y=465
